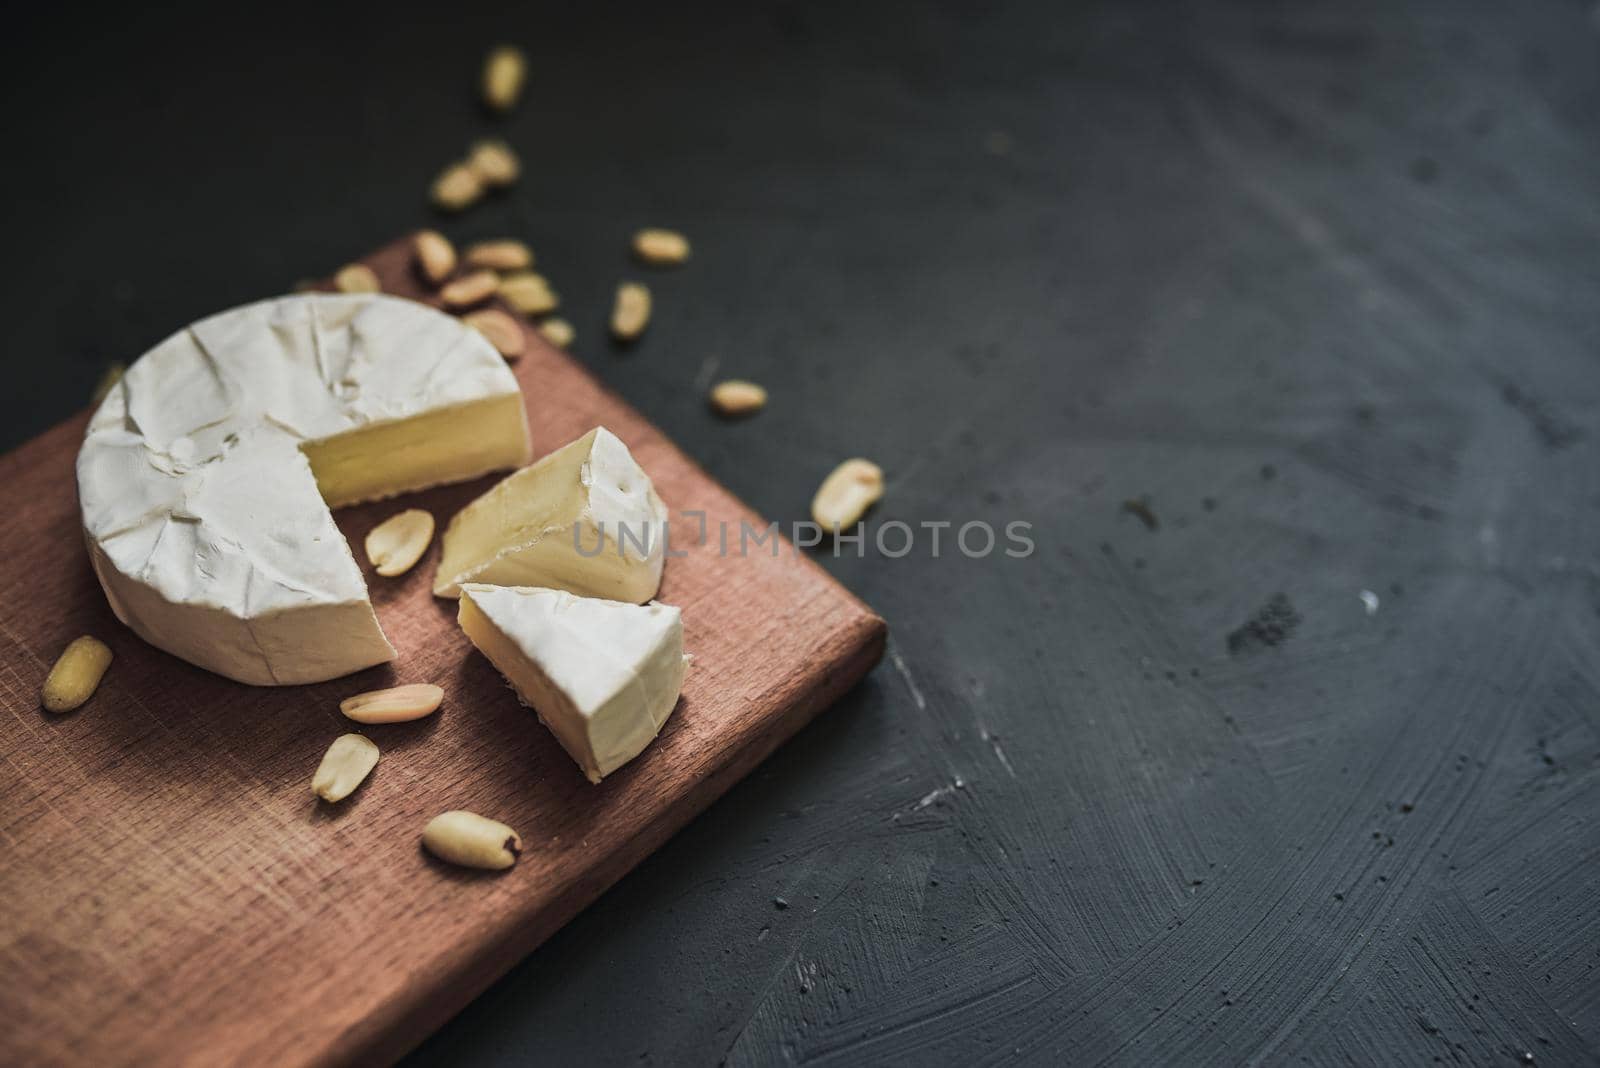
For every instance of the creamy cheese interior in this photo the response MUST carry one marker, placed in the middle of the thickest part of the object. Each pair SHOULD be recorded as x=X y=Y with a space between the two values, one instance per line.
x=450 y=445
x=584 y=518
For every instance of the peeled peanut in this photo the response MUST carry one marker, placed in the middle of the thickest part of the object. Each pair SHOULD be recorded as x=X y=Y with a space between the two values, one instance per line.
x=348 y=761
x=631 y=312
x=558 y=332
x=398 y=704
x=504 y=71
x=471 y=840
x=398 y=542
x=357 y=278
x=660 y=248
x=494 y=163
x=846 y=494
x=501 y=330
x=503 y=255
x=475 y=288
x=76 y=674
x=529 y=293
x=736 y=397
x=457 y=188
x=436 y=256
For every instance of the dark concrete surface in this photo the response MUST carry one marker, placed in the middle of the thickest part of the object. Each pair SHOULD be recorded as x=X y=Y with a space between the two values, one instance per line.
x=1280 y=322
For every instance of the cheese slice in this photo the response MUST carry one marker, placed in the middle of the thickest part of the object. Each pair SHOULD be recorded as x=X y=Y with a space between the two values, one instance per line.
x=584 y=519
x=602 y=675
x=207 y=473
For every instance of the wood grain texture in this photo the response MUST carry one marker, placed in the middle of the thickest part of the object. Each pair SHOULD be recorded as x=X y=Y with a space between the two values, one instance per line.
x=172 y=891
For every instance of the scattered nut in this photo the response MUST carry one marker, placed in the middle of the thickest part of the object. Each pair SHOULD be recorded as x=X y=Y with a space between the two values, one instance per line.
x=76 y=673
x=458 y=188
x=471 y=840
x=631 y=313
x=529 y=293
x=736 y=397
x=500 y=255
x=436 y=256
x=475 y=288
x=846 y=494
x=501 y=330
x=660 y=248
x=357 y=278
x=494 y=163
x=558 y=332
x=398 y=704
x=348 y=761
x=108 y=382
x=398 y=542
x=503 y=74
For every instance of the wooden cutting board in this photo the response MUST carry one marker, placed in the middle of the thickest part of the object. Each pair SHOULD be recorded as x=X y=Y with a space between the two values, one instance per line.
x=170 y=890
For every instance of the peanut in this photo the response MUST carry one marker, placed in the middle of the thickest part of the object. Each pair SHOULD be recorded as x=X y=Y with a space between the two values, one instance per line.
x=736 y=397
x=494 y=163
x=457 y=188
x=398 y=704
x=76 y=674
x=529 y=293
x=398 y=542
x=471 y=840
x=348 y=761
x=357 y=278
x=846 y=494
x=504 y=71
x=500 y=255
x=660 y=248
x=558 y=332
x=436 y=256
x=475 y=288
x=631 y=312
x=501 y=330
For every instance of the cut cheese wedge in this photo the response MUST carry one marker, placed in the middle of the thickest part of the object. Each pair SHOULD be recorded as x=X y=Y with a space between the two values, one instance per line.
x=602 y=675
x=207 y=473
x=584 y=519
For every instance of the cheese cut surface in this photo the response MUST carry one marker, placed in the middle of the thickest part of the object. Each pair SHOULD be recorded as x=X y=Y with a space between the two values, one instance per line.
x=602 y=675
x=206 y=475
x=585 y=519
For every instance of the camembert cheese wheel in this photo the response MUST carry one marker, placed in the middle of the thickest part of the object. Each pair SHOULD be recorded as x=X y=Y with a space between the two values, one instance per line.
x=207 y=474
